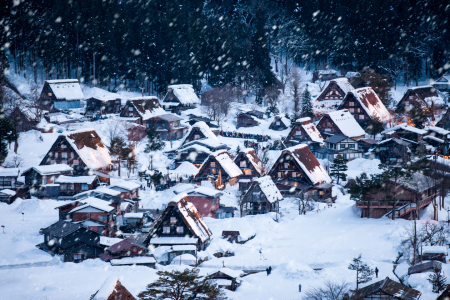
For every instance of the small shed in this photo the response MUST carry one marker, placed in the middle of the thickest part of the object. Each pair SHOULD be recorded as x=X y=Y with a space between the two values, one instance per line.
x=438 y=253
x=386 y=289
x=246 y=120
x=184 y=259
x=100 y=102
x=279 y=123
x=226 y=278
x=134 y=219
x=112 y=289
x=7 y=196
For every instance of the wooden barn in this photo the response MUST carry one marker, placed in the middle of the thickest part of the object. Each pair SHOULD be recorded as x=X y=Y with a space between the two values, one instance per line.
x=386 y=289
x=82 y=149
x=112 y=289
x=180 y=97
x=8 y=178
x=101 y=102
x=206 y=200
x=279 y=123
x=249 y=163
x=24 y=119
x=38 y=178
x=226 y=278
x=180 y=224
x=297 y=171
x=331 y=96
x=364 y=104
x=73 y=241
x=426 y=97
x=148 y=112
x=246 y=119
x=340 y=122
x=262 y=197
x=72 y=185
x=303 y=131
x=61 y=94
x=217 y=163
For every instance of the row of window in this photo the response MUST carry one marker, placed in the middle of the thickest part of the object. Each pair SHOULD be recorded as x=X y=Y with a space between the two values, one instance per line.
x=166 y=229
x=285 y=174
x=70 y=186
x=341 y=146
x=75 y=162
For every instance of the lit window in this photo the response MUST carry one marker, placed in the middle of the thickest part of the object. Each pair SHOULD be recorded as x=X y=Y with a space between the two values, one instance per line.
x=180 y=229
x=361 y=117
x=248 y=172
x=243 y=164
x=286 y=165
x=351 y=103
x=76 y=162
x=213 y=164
x=77 y=256
x=294 y=174
x=173 y=220
x=352 y=110
x=50 y=94
x=166 y=230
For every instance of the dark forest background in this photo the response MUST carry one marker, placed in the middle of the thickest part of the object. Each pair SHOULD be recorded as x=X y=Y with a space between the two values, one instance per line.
x=161 y=42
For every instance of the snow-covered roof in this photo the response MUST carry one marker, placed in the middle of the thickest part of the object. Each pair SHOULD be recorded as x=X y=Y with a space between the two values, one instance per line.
x=95 y=203
x=50 y=169
x=8 y=192
x=173 y=240
x=224 y=159
x=346 y=123
x=204 y=129
x=66 y=89
x=147 y=107
x=184 y=248
x=428 y=94
x=308 y=163
x=205 y=191
x=89 y=146
x=9 y=172
x=109 y=241
x=352 y=74
x=124 y=184
x=229 y=272
x=108 y=191
x=434 y=249
x=371 y=104
x=310 y=129
x=187 y=259
x=328 y=72
x=191 y=216
x=133 y=215
x=133 y=260
x=185 y=93
x=418 y=182
x=186 y=168
x=254 y=160
x=107 y=289
x=76 y=179
x=101 y=94
x=269 y=189
x=431 y=128
x=405 y=126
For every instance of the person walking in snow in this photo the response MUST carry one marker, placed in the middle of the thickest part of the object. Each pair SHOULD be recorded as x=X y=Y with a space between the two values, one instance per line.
x=376 y=272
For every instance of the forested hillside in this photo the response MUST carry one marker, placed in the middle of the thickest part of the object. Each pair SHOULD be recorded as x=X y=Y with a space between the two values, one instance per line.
x=159 y=42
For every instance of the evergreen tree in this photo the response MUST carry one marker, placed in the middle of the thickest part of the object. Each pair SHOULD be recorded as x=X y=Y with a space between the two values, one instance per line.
x=307 y=109
x=338 y=168
x=363 y=272
x=178 y=285
x=238 y=149
x=375 y=126
x=438 y=280
x=154 y=143
x=7 y=135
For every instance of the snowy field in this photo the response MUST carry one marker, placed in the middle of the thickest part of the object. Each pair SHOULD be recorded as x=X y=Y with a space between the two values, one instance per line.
x=306 y=250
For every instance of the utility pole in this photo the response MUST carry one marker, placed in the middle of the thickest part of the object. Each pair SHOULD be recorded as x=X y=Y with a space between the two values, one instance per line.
x=93 y=55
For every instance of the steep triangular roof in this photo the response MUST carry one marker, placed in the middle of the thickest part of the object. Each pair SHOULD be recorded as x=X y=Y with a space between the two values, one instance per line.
x=112 y=289
x=250 y=154
x=185 y=93
x=371 y=104
x=389 y=287
x=66 y=89
x=147 y=107
x=204 y=129
x=225 y=161
x=310 y=129
x=269 y=189
x=346 y=123
x=342 y=83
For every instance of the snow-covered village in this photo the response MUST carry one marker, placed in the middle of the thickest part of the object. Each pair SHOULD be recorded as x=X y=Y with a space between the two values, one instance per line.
x=180 y=149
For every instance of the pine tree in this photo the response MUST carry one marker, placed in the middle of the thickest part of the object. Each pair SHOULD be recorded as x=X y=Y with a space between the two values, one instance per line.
x=338 y=168
x=375 y=126
x=116 y=148
x=7 y=135
x=178 y=285
x=438 y=280
x=238 y=149
x=307 y=109
x=363 y=272
x=154 y=143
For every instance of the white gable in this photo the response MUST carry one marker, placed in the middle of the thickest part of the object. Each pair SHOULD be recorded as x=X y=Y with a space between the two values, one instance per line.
x=66 y=89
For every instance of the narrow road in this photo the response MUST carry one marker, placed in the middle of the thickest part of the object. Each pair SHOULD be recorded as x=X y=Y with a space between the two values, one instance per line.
x=28 y=265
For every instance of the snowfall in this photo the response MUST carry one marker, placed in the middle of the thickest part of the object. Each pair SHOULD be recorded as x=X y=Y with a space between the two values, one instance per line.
x=303 y=250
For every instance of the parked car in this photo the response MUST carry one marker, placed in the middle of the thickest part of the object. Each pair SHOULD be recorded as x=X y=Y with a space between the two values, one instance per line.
x=127 y=229
x=147 y=227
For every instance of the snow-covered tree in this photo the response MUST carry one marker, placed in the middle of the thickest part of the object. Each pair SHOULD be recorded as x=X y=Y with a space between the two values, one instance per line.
x=363 y=272
x=307 y=109
x=154 y=143
x=338 y=168
x=438 y=280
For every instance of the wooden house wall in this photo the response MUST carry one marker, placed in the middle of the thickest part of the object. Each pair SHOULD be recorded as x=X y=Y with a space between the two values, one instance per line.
x=282 y=171
x=204 y=205
x=133 y=113
x=279 y=127
x=392 y=151
x=356 y=110
x=209 y=170
x=76 y=188
x=173 y=211
x=187 y=155
x=444 y=122
x=332 y=92
x=327 y=125
x=246 y=121
x=293 y=135
x=249 y=166
x=87 y=251
x=168 y=130
x=54 y=156
x=103 y=107
x=47 y=97
x=258 y=204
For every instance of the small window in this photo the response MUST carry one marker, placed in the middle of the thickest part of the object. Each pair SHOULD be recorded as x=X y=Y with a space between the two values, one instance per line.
x=213 y=164
x=383 y=148
x=196 y=136
x=279 y=174
x=84 y=186
x=63 y=146
x=351 y=146
x=103 y=218
x=63 y=186
x=321 y=193
x=173 y=220
x=64 y=154
x=294 y=174
x=77 y=256
x=214 y=171
x=44 y=180
x=351 y=103
x=352 y=110
x=52 y=162
x=76 y=162
x=50 y=94
x=130 y=109
x=361 y=117
x=243 y=164
x=64 y=161
x=180 y=229
x=166 y=230
x=70 y=186
x=298 y=132
x=286 y=165
x=406 y=102
x=278 y=123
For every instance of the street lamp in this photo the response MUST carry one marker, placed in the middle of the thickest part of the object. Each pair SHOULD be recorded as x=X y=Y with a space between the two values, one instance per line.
x=3 y=227
x=23 y=216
